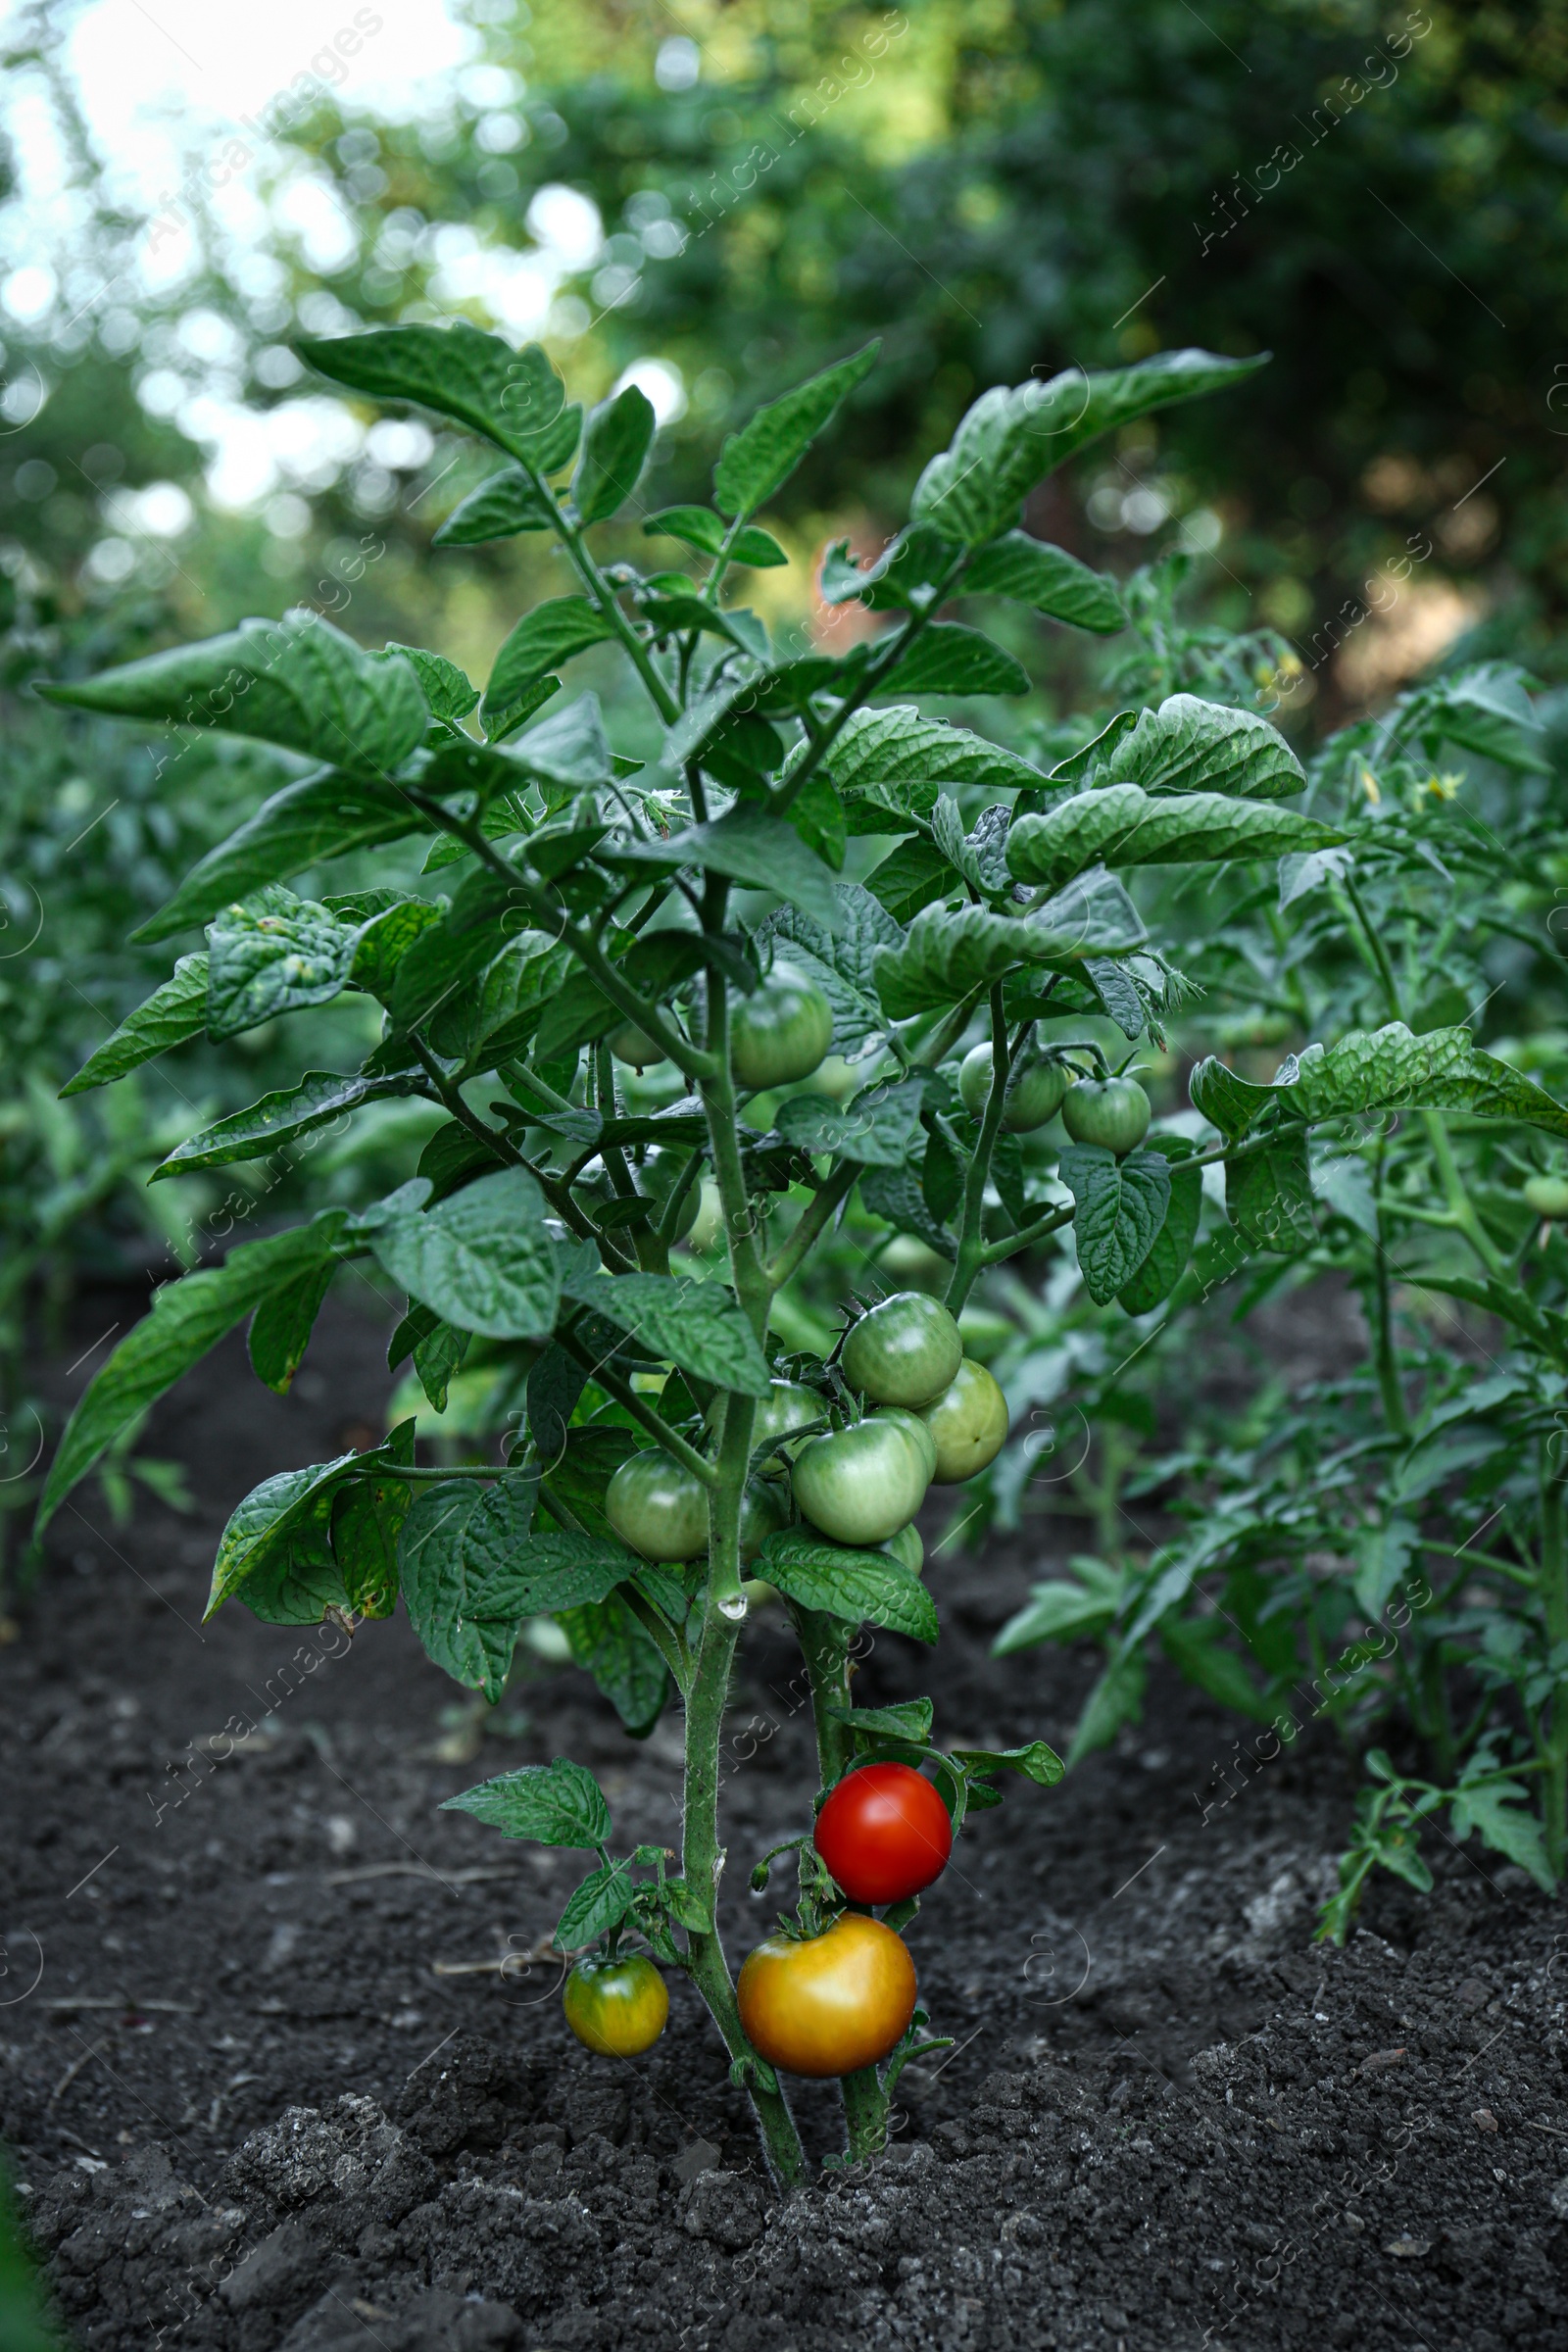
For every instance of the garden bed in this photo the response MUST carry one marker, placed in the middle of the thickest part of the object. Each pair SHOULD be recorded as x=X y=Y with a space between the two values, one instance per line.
x=267 y=2087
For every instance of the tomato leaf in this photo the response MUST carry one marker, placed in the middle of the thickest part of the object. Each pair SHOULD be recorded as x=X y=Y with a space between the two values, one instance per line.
x=275 y=956
x=947 y=957
x=615 y=443
x=879 y=1128
x=298 y=682
x=459 y=1565
x=907 y=1718
x=320 y=1096
x=542 y=640
x=507 y=503
x=1036 y=1762
x=759 y=458
x=187 y=1318
x=1268 y=1194
x=170 y=1016
x=481 y=1260
x=607 y=1641
x=855 y=1585
x=448 y=692
x=948 y=658
x=1189 y=744
x=554 y=1804
x=1011 y=440
x=601 y=1902
x=1120 y=1208
x=765 y=853
x=511 y=397
x=700 y=527
x=1122 y=824
x=696 y=1324
x=1036 y=573
x=1162 y=1268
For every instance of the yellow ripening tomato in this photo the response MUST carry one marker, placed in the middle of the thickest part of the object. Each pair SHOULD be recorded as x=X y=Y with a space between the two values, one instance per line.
x=616 y=2007
x=828 y=2004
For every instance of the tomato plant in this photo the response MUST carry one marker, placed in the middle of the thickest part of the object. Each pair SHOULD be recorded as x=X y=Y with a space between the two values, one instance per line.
x=589 y=911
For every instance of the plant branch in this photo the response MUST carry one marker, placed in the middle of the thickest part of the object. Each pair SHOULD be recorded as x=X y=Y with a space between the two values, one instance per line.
x=658 y=1428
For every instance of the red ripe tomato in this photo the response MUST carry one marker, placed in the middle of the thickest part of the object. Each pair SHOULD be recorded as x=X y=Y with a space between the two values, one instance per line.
x=884 y=1834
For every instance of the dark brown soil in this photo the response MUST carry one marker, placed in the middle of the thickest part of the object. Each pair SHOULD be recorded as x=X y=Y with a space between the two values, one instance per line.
x=258 y=2105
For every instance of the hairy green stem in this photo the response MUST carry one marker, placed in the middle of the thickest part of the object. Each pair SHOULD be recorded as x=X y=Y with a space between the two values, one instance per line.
x=1554 y=1612
x=703 y=1861
x=658 y=1428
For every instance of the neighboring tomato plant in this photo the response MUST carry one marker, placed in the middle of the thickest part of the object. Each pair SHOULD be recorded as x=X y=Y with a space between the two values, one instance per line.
x=884 y=1834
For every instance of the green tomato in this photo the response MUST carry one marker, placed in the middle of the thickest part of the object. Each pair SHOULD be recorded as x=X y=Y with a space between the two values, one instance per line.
x=786 y=1407
x=1548 y=1196
x=905 y=1352
x=860 y=1484
x=659 y=1178
x=907 y=1547
x=628 y=1044
x=779 y=1033
x=969 y=1424
x=1033 y=1093
x=762 y=1513
x=616 y=2007
x=659 y=1507
x=916 y=1430
x=1112 y=1111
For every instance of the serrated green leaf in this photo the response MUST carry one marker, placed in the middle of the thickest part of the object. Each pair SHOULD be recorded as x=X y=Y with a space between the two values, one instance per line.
x=948 y=658
x=481 y=1260
x=458 y=1577
x=1035 y=1762
x=305 y=825
x=696 y=1324
x=840 y=962
x=1047 y=577
x=448 y=692
x=510 y=396
x=615 y=443
x=1060 y=1611
x=765 y=853
x=890 y=754
x=541 y=642
x=570 y=748
x=1120 y=1208
x=895 y=1194
x=384 y=941
x=276 y=1533
x=320 y=1096
x=1379 y=1069
x=907 y=1718
x=759 y=458
x=1116 y=1698
x=879 y=1128
x=608 y=1644
x=366 y=1526
x=948 y=956
x=1011 y=440
x=509 y=502
x=298 y=682
x=1501 y=1810
x=1172 y=1246
x=449 y=956
x=859 y=1586
x=554 y=1804
x=275 y=956
x=1189 y=744
x=438 y=1356
x=1122 y=824
x=701 y=528
x=1268 y=1195
x=601 y=1902
x=281 y=1326
x=173 y=1013
x=915 y=876
x=187 y=1318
